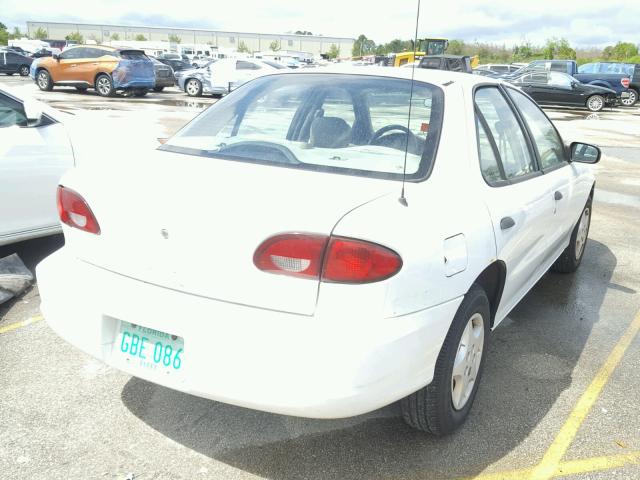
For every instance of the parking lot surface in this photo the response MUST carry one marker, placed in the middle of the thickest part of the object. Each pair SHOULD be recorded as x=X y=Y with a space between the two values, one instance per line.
x=559 y=396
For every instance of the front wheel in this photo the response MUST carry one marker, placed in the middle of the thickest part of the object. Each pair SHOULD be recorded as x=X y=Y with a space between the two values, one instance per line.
x=24 y=70
x=631 y=100
x=595 y=103
x=43 y=79
x=571 y=257
x=104 y=86
x=443 y=405
x=193 y=87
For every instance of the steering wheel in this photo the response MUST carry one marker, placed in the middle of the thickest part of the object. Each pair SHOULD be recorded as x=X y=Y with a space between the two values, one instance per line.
x=379 y=133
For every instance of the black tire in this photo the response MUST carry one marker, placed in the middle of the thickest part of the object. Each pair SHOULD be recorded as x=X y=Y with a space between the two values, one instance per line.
x=140 y=92
x=431 y=409
x=193 y=87
x=104 y=85
x=24 y=70
x=158 y=89
x=571 y=257
x=82 y=89
x=595 y=103
x=9 y=74
x=43 y=79
x=632 y=100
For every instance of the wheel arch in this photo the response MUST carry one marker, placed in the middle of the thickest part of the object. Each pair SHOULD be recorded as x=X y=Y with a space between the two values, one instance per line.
x=101 y=72
x=492 y=280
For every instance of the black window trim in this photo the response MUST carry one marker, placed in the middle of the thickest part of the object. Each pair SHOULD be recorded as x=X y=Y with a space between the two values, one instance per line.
x=46 y=119
x=525 y=132
x=543 y=170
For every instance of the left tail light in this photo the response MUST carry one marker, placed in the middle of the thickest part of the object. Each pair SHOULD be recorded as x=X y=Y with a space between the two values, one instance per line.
x=75 y=211
x=625 y=82
x=327 y=258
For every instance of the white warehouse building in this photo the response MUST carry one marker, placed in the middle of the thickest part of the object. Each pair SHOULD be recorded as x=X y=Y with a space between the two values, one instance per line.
x=313 y=44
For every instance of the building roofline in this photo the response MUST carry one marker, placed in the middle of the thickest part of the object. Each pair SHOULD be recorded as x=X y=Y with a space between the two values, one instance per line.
x=190 y=30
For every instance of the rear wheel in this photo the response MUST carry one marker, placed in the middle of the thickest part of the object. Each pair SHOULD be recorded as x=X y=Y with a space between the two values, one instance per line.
x=104 y=86
x=631 y=100
x=140 y=92
x=43 y=79
x=569 y=260
x=193 y=87
x=24 y=70
x=595 y=103
x=443 y=405
x=158 y=89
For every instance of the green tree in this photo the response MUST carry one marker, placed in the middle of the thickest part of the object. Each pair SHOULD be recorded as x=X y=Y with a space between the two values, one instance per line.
x=522 y=52
x=40 y=34
x=115 y=36
x=624 y=51
x=174 y=38
x=302 y=32
x=334 y=51
x=74 y=37
x=558 y=48
x=456 y=47
x=242 y=47
x=363 y=46
x=274 y=46
x=140 y=38
x=16 y=34
x=4 y=35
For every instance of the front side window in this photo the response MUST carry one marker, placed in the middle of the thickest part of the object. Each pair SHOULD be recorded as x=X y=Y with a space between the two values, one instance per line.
x=11 y=113
x=548 y=142
x=350 y=124
x=561 y=80
x=506 y=132
x=72 y=53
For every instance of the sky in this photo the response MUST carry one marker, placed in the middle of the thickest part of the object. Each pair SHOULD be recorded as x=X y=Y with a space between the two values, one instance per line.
x=583 y=22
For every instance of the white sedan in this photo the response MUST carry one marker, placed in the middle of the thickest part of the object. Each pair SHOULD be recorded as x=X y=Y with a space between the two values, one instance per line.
x=34 y=153
x=303 y=247
x=219 y=77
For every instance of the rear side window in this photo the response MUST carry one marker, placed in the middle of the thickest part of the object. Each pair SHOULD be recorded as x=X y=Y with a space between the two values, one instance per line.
x=505 y=132
x=133 y=55
x=11 y=112
x=489 y=165
x=548 y=142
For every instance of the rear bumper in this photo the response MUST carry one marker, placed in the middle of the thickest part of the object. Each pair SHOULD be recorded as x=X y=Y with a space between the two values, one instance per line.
x=265 y=360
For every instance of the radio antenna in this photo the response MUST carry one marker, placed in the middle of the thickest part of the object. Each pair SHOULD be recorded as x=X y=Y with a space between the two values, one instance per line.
x=402 y=198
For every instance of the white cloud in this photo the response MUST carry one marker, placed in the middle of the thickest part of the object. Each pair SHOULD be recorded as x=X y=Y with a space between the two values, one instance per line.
x=583 y=22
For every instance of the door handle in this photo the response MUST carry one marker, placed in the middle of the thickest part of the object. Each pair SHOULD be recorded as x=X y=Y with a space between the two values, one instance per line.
x=557 y=195
x=74 y=64
x=94 y=63
x=506 y=223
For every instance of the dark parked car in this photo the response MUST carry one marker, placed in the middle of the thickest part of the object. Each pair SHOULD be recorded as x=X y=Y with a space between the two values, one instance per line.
x=42 y=53
x=454 y=63
x=12 y=62
x=616 y=81
x=630 y=69
x=164 y=75
x=175 y=63
x=555 y=88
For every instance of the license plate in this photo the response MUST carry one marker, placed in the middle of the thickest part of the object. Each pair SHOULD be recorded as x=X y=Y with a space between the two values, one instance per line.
x=158 y=353
x=625 y=94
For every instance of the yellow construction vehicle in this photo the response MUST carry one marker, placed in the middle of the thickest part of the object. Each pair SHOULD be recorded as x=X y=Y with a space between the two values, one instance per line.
x=426 y=46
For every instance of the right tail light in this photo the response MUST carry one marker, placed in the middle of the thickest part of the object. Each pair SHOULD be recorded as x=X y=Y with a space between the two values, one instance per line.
x=75 y=212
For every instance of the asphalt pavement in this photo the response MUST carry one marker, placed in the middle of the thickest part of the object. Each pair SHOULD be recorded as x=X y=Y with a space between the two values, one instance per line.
x=559 y=396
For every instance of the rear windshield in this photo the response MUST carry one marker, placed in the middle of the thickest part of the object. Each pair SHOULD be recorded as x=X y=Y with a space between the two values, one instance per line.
x=350 y=124
x=133 y=54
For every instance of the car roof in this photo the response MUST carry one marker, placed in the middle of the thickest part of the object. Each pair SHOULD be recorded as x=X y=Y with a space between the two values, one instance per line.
x=436 y=77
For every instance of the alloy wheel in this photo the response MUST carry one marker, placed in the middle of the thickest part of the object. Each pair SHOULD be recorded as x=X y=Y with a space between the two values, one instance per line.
x=631 y=99
x=595 y=103
x=24 y=71
x=104 y=85
x=193 y=87
x=583 y=231
x=43 y=80
x=467 y=361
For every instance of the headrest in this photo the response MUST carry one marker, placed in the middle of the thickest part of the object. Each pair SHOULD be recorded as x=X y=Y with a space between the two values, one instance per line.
x=330 y=132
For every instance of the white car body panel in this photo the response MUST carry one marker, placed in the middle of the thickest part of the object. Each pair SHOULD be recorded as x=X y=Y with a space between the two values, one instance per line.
x=289 y=345
x=32 y=160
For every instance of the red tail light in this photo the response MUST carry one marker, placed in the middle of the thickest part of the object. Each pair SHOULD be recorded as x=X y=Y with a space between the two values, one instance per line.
x=625 y=82
x=75 y=212
x=330 y=259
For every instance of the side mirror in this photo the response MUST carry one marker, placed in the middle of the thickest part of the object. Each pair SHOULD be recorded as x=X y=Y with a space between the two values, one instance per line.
x=33 y=112
x=56 y=56
x=585 y=153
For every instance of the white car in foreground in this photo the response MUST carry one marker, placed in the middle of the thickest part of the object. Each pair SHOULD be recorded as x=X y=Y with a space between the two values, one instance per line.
x=262 y=256
x=35 y=151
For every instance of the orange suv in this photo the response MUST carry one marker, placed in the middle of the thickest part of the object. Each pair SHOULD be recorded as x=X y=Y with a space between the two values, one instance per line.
x=104 y=68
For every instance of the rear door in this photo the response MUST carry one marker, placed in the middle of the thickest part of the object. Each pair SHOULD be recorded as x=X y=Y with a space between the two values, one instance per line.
x=516 y=194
